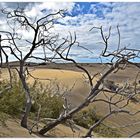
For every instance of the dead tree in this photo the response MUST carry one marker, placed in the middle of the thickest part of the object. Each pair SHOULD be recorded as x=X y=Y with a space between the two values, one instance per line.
x=120 y=59
x=17 y=20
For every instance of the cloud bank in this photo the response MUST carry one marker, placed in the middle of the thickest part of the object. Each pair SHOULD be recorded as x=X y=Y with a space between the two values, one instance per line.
x=82 y=16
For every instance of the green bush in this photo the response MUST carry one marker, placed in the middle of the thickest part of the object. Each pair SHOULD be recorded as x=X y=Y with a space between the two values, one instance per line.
x=105 y=131
x=13 y=100
x=88 y=117
x=50 y=102
x=3 y=118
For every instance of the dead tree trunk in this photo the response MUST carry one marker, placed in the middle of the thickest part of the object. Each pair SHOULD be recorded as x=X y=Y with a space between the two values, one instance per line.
x=28 y=103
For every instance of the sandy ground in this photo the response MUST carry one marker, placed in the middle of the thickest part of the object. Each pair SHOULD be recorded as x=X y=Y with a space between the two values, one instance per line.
x=68 y=78
x=75 y=82
x=13 y=129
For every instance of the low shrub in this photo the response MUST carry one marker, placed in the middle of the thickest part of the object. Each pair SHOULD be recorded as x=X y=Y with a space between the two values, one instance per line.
x=13 y=100
x=88 y=117
x=105 y=131
x=51 y=103
x=3 y=118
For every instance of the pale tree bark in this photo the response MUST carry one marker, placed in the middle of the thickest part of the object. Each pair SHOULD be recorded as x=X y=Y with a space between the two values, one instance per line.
x=120 y=63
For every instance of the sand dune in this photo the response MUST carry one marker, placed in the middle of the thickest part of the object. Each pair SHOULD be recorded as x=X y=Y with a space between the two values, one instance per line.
x=67 y=78
x=81 y=90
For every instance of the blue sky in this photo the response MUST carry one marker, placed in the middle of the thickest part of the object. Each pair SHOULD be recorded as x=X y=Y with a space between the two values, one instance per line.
x=82 y=16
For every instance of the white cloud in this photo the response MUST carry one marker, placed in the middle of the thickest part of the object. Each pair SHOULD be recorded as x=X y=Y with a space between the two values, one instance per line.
x=36 y=9
x=127 y=15
x=55 y=6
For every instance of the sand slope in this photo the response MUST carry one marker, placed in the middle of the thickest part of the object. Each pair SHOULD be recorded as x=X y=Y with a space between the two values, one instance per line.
x=76 y=96
x=76 y=81
x=13 y=129
x=81 y=90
